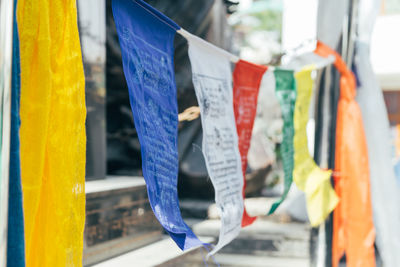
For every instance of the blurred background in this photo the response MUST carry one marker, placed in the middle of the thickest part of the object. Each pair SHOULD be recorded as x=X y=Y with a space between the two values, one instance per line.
x=121 y=229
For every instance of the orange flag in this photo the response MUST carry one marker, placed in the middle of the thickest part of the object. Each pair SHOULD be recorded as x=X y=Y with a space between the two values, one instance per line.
x=353 y=228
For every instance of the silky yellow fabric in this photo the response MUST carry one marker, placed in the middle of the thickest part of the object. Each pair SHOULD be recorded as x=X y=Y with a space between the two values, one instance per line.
x=52 y=132
x=320 y=196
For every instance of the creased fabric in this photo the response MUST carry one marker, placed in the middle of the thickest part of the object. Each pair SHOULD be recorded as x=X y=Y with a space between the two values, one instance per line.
x=15 y=236
x=146 y=39
x=268 y=124
x=353 y=228
x=212 y=80
x=52 y=132
x=286 y=93
x=316 y=183
x=385 y=191
x=246 y=84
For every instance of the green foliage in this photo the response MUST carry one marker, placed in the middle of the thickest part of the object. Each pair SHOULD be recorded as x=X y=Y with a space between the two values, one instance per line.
x=269 y=20
x=392 y=7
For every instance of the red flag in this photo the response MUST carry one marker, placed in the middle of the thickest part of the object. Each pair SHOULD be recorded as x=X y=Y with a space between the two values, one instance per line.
x=246 y=83
x=353 y=228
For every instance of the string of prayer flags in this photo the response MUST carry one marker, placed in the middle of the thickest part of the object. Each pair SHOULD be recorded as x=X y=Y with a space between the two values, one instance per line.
x=286 y=94
x=246 y=84
x=353 y=228
x=52 y=147
x=146 y=38
x=15 y=235
x=53 y=140
x=316 y=183
x=212 y=80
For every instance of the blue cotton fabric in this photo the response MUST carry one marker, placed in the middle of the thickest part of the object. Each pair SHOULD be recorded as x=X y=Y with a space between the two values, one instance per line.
x=15 y=241
x=146 y=38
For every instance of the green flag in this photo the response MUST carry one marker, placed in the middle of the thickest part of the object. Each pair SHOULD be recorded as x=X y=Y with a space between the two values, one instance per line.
x=286 y=93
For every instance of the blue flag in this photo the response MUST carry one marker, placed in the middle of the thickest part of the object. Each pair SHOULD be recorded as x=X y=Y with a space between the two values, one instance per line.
x=146 y=38
x=15 y=241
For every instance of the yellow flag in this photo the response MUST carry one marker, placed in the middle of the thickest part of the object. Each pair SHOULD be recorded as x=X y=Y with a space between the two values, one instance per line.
x=53 y=140
x=320 y=196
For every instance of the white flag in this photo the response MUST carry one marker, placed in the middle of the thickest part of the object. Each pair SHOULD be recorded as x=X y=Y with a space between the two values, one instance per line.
x=384 y=188
x=212 y=79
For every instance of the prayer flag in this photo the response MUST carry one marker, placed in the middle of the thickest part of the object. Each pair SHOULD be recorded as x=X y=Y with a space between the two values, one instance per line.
x=316 y=183
x=212 y=79
x=53 y=141
x=385 y=190
x=15 y=237
x=246 y=84
x=146 y=38
x=286 y=94
x=353 y=227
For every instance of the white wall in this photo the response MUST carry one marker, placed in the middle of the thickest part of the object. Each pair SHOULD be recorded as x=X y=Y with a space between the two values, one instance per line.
x=385 y=51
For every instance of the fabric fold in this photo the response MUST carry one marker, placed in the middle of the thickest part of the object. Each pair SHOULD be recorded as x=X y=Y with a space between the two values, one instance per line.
x=52 y=133
x=15 y=237
x=286 y=93
x=246 y=85
x=212 y=80
x=385 y=190
x=353 y=228
x=146 y=38
x=315 y=183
